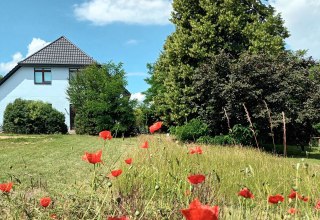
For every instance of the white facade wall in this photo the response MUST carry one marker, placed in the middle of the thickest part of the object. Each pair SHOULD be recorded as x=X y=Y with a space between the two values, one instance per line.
x=21 y=85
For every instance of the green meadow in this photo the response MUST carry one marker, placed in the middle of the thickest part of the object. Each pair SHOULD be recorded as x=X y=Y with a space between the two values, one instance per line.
x=155 y=185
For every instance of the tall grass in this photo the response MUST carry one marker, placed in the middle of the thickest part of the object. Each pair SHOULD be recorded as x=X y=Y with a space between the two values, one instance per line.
x=155 y=185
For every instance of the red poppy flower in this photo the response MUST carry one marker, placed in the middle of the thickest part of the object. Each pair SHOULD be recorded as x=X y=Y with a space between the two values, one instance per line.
x=53 y=216
x=276 y=199
x=245 y=192
x=156 y=126
x=116 y=173
x=93 y=157
x=317 y=205
x=105 y=135
x=197 y=211
x=45 y=201
x=195 y=179
x=118 y=218
x=303 y=198
x=6 y=187
x=145 y=145
x=293 y=194
x=128 y=161
x=196 y=150
x=292 y=211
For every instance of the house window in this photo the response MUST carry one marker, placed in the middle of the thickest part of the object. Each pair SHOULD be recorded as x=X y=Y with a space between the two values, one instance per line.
x=73 y=72
x=42 y=76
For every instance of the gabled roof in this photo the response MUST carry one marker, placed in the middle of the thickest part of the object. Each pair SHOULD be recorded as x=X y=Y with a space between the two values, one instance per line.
x=59 y=52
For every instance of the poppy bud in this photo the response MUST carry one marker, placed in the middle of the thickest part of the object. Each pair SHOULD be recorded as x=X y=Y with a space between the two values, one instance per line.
x=109 y=184
x=137 y=213
x=295 y=188
x=157 y=187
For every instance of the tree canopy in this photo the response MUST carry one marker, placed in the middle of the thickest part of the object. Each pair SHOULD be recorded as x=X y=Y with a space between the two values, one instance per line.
x=100 y=99
x=204 y=28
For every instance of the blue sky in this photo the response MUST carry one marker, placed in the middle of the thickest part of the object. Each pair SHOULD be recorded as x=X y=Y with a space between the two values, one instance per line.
x=134 y=40
x=129 y=31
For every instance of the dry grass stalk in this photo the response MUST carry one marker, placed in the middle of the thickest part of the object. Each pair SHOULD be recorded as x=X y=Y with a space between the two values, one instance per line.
x=228 y=120
x=251 y=126
x=271 y=126
x=284 y=135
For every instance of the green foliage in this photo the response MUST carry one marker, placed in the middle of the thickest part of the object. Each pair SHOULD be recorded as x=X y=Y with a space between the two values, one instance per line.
x=317 y=128
x=191 y=131
x=33 y=117
x=1 y=77
x=101 y=101
x=217 y=140
x=203 y=28
x=144 y=117
x=242 y=135
x=286 y=82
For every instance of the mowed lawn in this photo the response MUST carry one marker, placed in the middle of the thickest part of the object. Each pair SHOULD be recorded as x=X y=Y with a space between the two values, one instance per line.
x=154 y=186
x=55 y=160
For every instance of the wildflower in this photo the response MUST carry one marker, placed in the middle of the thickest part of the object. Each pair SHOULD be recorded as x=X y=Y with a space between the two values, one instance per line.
x=118 y=218
x=156 y=126
x=145 y=145
x=53 y=216
x=92 y=157
x=195 y=179
x=245 y=192
x=293 y=194
x=105 y=135
x=303 y=198
x=275 y=199
x=317 y=207
x=6 y=187
x=116 y=173
x=196 y=150
x=292 y=211
x=197 y=211
x=128 y=161
x=45 y=201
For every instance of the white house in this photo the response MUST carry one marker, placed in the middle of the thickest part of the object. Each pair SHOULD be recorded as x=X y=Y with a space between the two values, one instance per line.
x=44 y=76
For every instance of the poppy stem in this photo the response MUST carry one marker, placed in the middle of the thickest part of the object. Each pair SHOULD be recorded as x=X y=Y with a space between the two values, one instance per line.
x=93 y=190
x=144 y=210
x=103 y=201
x=94 y=178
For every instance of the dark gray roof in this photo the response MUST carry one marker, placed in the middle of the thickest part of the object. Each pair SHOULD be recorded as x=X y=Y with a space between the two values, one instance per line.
x=59 y=52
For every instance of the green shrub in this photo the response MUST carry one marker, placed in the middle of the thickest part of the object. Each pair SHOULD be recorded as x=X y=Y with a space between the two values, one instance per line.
x=191 y=131
x=33 y=117
x=242 y=135
x=217 y=140
x=172 y=130
x=317 y=128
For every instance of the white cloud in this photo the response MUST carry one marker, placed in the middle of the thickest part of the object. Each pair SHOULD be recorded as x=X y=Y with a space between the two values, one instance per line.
x=5 y=67
x=301 y=18
x=138 y=96
x=132 y=42
x=103 y=12
x=35 y=45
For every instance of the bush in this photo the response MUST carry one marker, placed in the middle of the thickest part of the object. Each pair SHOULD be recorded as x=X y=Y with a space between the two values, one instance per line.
x=191 y=131
x=33 y=117
x=217 y=140
x=242 y=135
